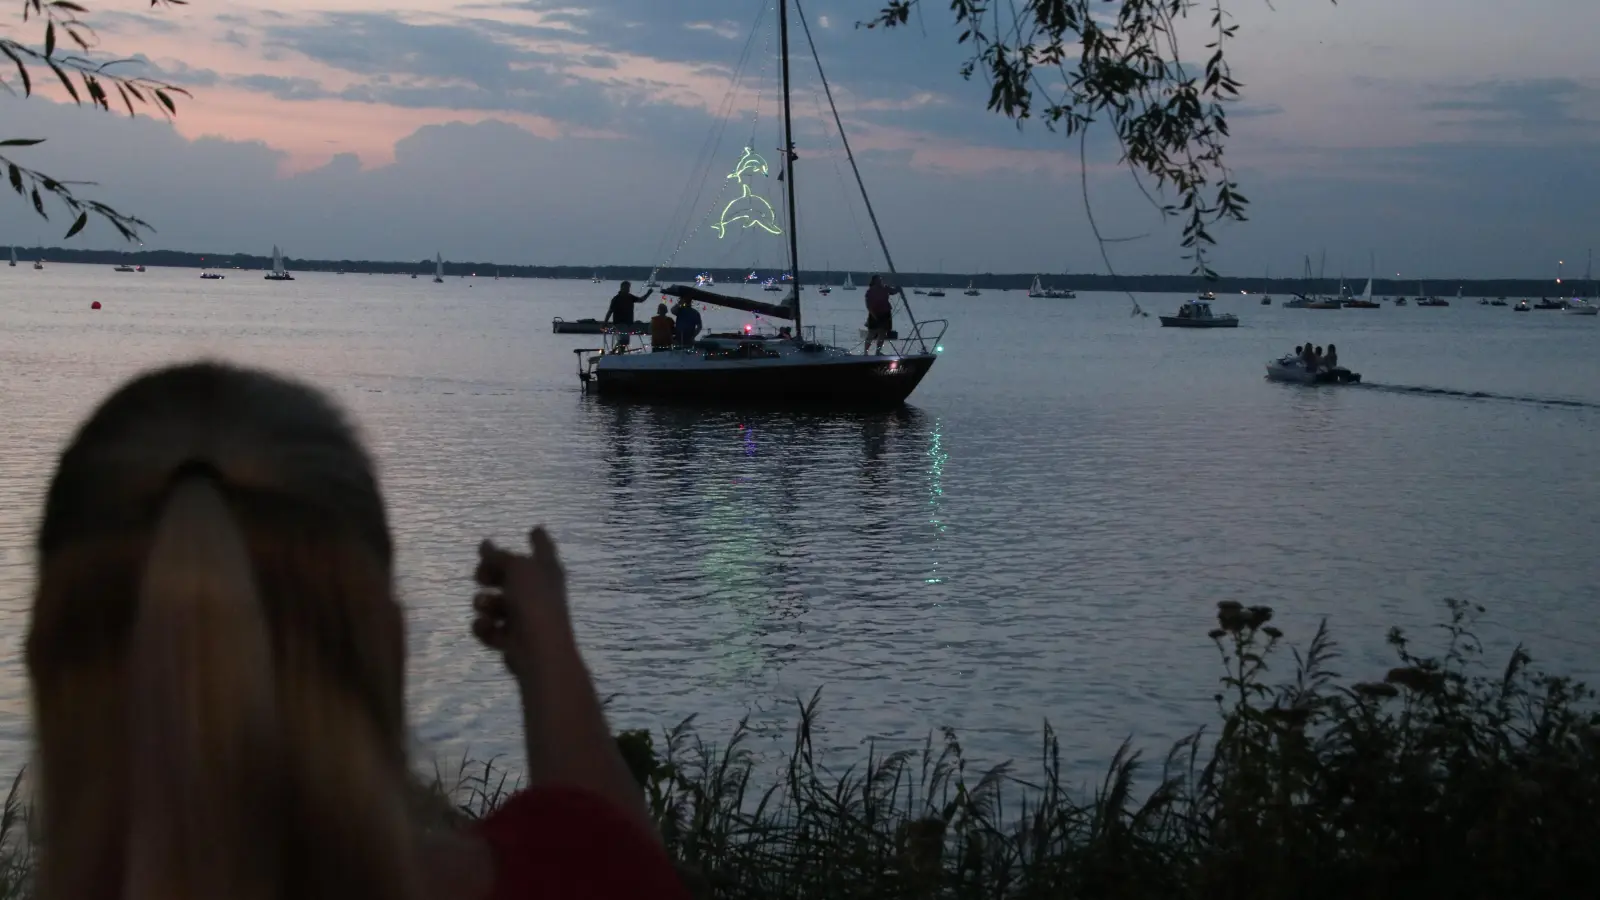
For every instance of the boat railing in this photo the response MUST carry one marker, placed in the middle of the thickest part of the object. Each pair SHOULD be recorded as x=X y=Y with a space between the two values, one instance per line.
x=925 y=337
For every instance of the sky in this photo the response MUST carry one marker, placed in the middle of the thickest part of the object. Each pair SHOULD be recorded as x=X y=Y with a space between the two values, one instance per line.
x=1440 y=138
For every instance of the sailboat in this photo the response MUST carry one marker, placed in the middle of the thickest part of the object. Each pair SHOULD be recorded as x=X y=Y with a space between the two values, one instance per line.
x=1039 y=290
x=848 y=284
x=13 y=257
x=1581 y=306
x=790 y=367
x=595 y=278
x=1365 y=301
x=971 y=291
x=278 y=273
x=1424 y=300
x=438 y=268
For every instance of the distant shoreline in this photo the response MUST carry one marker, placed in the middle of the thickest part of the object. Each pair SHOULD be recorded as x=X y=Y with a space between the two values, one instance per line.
x=1383 y=287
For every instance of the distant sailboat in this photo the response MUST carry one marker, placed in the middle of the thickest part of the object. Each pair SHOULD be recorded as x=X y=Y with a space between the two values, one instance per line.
x=972 y=290
x=278 y=272
x=438 y=268
x=13 y=257
x=848 y=284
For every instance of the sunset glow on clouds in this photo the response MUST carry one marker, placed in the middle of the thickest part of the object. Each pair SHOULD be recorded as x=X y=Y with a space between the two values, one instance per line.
x=572 y=126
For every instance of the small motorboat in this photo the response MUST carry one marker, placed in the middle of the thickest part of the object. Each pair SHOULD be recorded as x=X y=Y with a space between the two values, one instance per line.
x=1550 y=304
x=1483 y=301
x=1500 y=301
x=1399 y=301
x=594 y=326
x=1291 y=370
x=1577 y=306
x=1198 y=314
x=123 y=268
x=1522 y=306
x=1266 y=301
x=935 y=292
x=212 y=276
x=1206 y=295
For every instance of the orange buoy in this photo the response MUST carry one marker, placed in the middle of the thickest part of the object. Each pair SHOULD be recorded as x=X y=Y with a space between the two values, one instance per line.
x=95 y=305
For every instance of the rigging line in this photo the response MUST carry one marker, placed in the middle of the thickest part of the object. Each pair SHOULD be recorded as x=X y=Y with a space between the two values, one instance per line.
x=833 y=156
x=843 y=139
x=1088 y=208
x=697 y=174
x=716 y=202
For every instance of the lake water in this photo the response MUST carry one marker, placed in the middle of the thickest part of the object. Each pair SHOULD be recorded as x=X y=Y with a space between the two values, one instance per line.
x=1041 y=535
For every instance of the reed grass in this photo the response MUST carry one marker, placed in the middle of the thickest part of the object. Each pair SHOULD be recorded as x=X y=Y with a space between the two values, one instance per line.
x=1442 y=779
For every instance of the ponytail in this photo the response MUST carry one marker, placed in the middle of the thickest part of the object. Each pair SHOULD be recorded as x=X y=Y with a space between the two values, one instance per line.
x=204 y=757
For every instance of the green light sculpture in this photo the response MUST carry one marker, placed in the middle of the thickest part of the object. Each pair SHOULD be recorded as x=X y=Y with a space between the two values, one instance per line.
x=756 y=212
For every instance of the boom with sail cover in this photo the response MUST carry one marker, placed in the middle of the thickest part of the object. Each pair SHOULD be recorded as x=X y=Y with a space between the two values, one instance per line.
x=784 y=311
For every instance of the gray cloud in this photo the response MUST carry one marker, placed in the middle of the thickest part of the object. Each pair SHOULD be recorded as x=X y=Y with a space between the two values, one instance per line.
x=280 y=87
x=1531 y=104
x=111 y=21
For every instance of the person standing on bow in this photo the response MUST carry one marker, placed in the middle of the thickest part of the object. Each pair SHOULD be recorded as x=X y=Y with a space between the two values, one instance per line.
x=880 y=312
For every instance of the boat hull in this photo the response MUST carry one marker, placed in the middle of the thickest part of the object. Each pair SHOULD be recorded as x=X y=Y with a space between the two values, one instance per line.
x=1295 y=374
x=1582 y=310
x=861 y=382
x=1185 y=322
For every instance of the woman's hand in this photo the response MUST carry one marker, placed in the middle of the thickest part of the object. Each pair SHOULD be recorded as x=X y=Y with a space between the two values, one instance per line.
x=522 y=602
x=522 y=612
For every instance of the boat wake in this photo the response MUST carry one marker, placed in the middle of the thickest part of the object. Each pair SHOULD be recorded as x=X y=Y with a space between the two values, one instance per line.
x=1477 y=395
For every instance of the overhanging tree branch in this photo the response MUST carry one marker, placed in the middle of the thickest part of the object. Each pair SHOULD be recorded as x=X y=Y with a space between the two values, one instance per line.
x=1119 y=63
x=85 y=81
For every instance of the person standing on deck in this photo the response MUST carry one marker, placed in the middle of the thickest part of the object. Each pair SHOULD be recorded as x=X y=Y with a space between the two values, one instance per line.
x=621 y=312
x=880 y=312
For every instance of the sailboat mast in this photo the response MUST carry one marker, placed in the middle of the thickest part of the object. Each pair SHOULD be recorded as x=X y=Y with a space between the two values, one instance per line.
x=788 y=163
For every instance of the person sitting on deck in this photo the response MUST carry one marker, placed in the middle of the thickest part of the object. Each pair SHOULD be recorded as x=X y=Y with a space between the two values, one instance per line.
x=880 y=312
x=1316 y=360
x=661 y=329
x=1308 y=358
x=688 y=323
x=621 y=312
x=1331 y=358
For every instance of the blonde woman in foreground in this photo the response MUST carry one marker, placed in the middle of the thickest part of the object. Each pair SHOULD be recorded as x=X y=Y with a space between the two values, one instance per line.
x=217 y=661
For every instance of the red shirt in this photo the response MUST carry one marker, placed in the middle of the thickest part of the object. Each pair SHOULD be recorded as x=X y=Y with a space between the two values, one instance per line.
x=878 y=299
x=564 y=842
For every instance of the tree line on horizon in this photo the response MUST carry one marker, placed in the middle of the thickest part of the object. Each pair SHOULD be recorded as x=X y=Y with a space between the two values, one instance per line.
x=1153 y=283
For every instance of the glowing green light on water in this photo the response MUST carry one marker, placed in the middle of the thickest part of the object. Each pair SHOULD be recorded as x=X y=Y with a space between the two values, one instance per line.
x=936 y=460
x=757 y=212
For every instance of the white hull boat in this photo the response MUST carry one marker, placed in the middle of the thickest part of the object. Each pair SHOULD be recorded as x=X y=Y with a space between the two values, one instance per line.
x=1290 y=369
